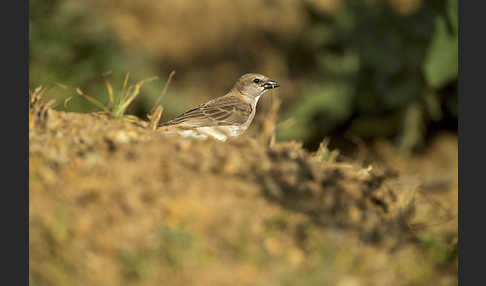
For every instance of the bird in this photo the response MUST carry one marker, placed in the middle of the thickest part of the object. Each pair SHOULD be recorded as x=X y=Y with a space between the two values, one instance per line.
x=226 y=116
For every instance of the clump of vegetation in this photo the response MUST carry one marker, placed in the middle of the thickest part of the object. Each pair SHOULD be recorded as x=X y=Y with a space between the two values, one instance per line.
x=38 y=107
x=325 y=154
x=118 y=103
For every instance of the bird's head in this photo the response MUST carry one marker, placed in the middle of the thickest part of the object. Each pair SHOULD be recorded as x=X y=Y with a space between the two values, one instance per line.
x=254 y=85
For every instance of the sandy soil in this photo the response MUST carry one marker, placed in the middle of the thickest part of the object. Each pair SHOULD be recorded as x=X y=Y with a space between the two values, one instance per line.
x=114 y=203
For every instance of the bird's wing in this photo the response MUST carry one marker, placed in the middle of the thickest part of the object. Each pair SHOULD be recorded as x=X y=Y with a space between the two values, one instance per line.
x=221 y=111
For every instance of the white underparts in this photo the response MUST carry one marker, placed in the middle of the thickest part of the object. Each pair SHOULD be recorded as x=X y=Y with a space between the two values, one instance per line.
x=221 y=133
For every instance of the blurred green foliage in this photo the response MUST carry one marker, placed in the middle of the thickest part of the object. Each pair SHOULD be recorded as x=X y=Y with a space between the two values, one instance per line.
x=71 y=47
x=441 y=62
x=380 y=74
x=365 y=68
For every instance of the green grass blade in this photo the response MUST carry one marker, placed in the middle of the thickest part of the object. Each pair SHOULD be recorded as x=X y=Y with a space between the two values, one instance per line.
x=110 y=92
x=164 y=90
x=125 y=83
x=91 y=99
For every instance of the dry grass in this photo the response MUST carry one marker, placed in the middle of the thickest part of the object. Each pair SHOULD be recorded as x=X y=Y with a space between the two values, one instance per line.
x=38 y=108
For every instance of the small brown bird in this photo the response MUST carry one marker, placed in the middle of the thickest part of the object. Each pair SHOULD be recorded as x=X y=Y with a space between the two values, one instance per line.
x=225 y=116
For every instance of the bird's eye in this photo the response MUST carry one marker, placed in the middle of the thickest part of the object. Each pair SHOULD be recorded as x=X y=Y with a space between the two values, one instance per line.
x=256 y=80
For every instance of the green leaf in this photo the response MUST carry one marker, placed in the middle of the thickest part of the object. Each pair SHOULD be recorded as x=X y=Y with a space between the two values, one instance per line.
x=441 y=62
x=332 y=99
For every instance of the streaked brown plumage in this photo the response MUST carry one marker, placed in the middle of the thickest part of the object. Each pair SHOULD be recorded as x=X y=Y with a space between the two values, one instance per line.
x=225 y=110
x=225 y=116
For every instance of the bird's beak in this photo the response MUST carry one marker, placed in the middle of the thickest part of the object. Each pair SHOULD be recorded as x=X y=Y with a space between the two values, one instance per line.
x=270 y=84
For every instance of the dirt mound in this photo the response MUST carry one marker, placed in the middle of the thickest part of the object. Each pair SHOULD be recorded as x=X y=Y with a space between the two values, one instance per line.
x=113 y=203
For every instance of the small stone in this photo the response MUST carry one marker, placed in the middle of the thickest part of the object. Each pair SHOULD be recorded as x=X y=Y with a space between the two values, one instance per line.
x=121 y=137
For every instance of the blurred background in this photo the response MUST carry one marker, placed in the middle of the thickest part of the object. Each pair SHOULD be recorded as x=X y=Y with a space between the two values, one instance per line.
x=375 y=73
x=349 y=69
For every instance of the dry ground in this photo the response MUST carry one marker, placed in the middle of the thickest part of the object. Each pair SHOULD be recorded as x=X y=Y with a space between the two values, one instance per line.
x=113 y=203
